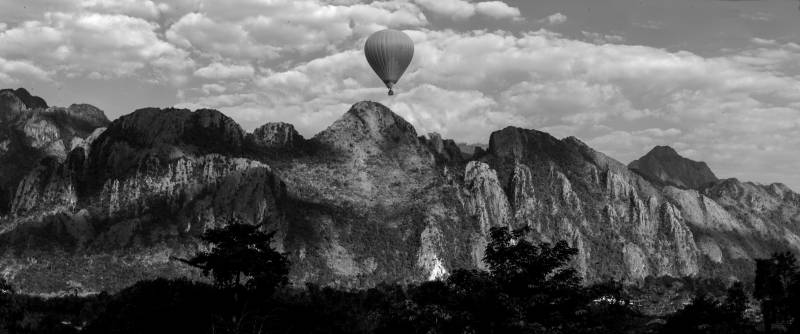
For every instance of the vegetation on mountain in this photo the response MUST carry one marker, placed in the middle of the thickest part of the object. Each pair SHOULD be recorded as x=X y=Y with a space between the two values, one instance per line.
x=527 y=288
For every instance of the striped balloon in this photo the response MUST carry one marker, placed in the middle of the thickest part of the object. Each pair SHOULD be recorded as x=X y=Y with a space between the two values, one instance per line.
x=389 y=52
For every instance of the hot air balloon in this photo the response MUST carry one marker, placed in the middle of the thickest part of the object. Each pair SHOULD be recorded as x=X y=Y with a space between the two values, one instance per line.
x=389 y=52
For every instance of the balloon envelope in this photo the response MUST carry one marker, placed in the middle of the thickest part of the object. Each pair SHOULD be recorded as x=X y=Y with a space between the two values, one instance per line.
x=389 y=52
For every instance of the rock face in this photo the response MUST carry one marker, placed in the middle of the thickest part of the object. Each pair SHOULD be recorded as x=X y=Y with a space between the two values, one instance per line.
x=277 y=135
x=365 y=201
x=31 y=131
x=121 y=204
x=446 y=150
x=665 y=166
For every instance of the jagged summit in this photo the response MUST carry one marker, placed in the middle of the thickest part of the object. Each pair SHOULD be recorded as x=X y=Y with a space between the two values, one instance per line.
x=14 y=103
x=19 y=105
x=88 y=113
x=367 y=200
x=206 y=129
x=368 y=121
x=277 y=135
x=664 y=165
x=446 y=150
x=30 y=101
x=370 y=129
x=514 y=142
x=31 y=131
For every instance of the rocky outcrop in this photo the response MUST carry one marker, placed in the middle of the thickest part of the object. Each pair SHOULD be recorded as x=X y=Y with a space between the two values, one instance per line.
x=445 y=150
x=663 y=165
x=365 y=201
x=277 y=135
x=31 y=131
x=562 y=189
x=11 y=106
x=135 y=190
x=371 y=129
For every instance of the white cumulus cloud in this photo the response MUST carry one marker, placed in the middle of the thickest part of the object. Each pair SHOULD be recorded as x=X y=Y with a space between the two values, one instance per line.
x=554 y=19
x=461 y=9
x=225 y=71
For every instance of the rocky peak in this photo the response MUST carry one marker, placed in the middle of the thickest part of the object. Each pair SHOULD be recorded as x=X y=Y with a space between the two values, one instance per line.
x=155 y=137
x=207 y=129
x=663 y=165
x=30 y=101
x=735 y=190
x=539 y=150
x=446 y=150
x=369 y=123
x=88 y=113
x=11 y=105
x=277 y=135
x=518 y=143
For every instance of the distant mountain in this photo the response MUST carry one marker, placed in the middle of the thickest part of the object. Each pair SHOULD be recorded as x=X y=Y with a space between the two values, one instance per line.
x=663 y=165
x=31 y=131
x=469 y=150
x=367 y=200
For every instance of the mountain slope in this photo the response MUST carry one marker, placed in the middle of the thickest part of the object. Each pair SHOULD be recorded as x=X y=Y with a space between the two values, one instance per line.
x=663 y=165
x=366 y=200
x=31 y=131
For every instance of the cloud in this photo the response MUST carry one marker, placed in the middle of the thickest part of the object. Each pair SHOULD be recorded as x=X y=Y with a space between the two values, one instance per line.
x=284 y=28
x=222 y=71
x=136 y=8
x=497 y=9
x=301 y=61
x=10 y=69
x=456 y=9
x=554 y=19
x=165 y=43
x=213 y=88
x=460 y=9
x=79 y=44
x=757 y=16
x=622 y=99
x=599 y=38
x=650 y=24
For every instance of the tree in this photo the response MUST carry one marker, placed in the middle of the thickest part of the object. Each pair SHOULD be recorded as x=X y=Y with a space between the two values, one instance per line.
x=241 y=256
x=774 y=279
x=8 y=313
x=537 y=285
x=521 y=266
x=735 y=303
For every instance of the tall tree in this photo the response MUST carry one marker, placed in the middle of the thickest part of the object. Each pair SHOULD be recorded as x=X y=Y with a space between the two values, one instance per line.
x=241 y=256
x=774 y=279
x=521 y=266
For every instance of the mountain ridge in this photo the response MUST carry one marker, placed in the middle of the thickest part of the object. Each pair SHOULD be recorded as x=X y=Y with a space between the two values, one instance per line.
x=664 y=165
x=365 y=201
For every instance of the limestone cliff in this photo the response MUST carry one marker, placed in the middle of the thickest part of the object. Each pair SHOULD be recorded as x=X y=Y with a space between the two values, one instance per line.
x=277 y=135
x=665 y=166
x=31 y=131
x=366 y=200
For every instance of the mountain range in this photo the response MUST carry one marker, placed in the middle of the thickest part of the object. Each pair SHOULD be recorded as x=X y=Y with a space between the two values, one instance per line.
x=88 y=204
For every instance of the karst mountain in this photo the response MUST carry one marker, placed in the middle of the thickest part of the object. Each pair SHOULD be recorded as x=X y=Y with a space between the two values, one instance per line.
x=88 y=204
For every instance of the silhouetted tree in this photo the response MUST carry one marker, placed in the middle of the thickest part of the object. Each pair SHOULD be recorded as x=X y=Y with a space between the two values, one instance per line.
x=242 y=256
x=774 y=279
x=699 y=316
x=522 y=267
x=163 y=306
x=540 y=287
x=735 y=303
x=242 y=261
x=7 y=311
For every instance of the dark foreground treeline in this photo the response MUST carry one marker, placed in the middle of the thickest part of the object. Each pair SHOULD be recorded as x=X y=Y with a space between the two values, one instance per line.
x=527 y=288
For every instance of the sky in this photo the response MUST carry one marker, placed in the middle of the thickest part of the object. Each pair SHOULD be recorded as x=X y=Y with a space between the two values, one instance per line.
x=717 y=80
